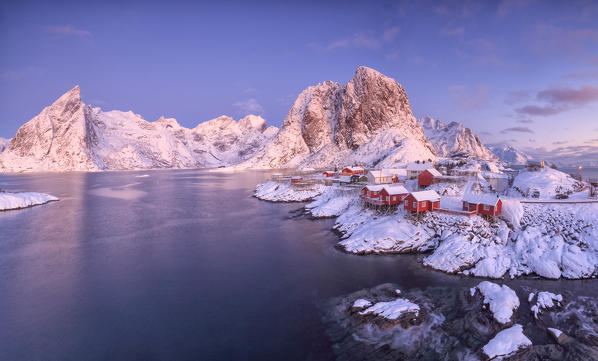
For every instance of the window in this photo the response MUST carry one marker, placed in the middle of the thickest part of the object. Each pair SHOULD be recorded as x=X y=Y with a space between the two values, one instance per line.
x=414 y=204
x=486 y=207
x=423 y=204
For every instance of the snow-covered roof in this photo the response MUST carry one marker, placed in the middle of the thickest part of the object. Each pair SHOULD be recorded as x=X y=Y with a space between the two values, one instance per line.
x=344 y=178
x=419 y=166
x=489 y=199
x=397 y=171
x=296 y=177
x=434 y=172
x=329 y=171
x=353 y=169
x=395 y=190
x=425 y=196
x=373 y=188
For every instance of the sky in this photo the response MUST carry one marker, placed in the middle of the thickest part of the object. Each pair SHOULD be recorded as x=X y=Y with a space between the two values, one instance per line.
x=523 y=72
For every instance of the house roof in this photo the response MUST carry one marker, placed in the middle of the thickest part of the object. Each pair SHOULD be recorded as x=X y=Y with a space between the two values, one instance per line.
x=329 y=171
x=419 y=166
x=344 y=178
x=396 y=190
x=425 y=196
x=434 y=172
x=489 y=199
x=353 y=169
x=296 y=177
x=373 y=188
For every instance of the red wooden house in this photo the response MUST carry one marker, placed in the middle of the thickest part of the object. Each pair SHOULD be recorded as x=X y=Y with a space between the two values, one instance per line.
x=426 y=177
x=352 y=171
x=391 y=195
x=371 y=191
x=422 y=201
x=296 y=179
x=486 y=203
x=328 y=173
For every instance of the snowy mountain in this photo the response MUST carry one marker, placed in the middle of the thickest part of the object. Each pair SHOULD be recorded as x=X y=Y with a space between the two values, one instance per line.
x=3 y=143
x=69 y=135
x=511 y=155
x=368 y=120
x=453 y=140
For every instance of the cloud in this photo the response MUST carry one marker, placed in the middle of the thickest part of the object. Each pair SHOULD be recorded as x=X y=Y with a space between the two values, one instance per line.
x=525 y=121
x=560 y=142
x=582 y=75
x=249 y=106
x=517 y=130
x=368 y=39
x=468 y=97
x=562 y=41
x=17 y=73
x=66 y=30
x=560 y=99
x=507 y=6
x=486 y=133
x=568 y=155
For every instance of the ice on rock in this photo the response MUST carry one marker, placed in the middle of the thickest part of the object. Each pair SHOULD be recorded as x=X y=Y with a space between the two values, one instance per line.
x=501 y=300
x=10 y=201
x=507 y=342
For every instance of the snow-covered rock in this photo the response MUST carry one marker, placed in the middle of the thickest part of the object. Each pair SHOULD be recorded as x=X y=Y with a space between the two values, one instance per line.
x=285 y=192
x=544 y=300
x=453 y=140
x=10 y=201
x=69 y=135
x=332 y=202
x=369 y=120
x=3 y=143
x=507 y=342
x=501 y=300
x=512 y=212
x=511 y=155
x=392 y=310
x=361 y=303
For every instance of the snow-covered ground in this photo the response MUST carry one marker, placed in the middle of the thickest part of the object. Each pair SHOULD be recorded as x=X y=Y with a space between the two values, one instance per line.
x=10 y=201
x=285 y=192
x=501 y=300
x=547 y=181
x=507 y=342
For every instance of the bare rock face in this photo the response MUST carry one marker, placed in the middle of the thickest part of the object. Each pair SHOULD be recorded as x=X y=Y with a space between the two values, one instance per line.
x=367 y=121
x=69 y=135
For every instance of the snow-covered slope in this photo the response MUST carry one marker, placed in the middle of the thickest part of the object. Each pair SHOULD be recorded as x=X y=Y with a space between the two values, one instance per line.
x=3 y=143
x=510 y=154
x=369 y=120
x=69 y=135
x=454 y=140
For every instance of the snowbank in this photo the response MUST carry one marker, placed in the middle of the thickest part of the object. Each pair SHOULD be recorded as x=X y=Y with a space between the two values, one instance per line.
x=547 y=181
x=544 y=300
x=23 y=200
x=501 y=300
x=512 y=212
x=507 y=342
x=285 y=192
x=332 y=202
x=361 y=303
x=392 y=310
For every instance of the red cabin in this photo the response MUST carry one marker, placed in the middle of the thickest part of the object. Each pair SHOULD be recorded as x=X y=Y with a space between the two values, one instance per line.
x=352 y=170
x=426 y=177
x=329 y=173
x=296 y=179
x=391 y=195
x=422 y=201
x=487 y=203
x=370 y=191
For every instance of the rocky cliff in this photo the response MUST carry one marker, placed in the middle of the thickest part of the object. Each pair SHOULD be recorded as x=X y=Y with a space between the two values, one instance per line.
x=368 y=120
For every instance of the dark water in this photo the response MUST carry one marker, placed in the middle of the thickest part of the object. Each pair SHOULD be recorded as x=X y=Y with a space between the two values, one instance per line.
x=181 y=265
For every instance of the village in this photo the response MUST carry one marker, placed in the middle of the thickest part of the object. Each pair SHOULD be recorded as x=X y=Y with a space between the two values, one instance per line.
x=471 y=218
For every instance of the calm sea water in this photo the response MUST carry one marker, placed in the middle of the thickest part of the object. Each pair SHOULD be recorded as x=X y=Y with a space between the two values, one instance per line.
x=181 y=265
x=586 y=172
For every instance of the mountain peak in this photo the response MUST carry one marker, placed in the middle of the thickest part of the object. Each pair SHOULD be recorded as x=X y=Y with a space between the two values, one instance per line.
x=252 y=121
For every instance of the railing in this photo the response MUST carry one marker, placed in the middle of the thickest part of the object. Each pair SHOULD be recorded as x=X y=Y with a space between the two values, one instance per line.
x=454 y=211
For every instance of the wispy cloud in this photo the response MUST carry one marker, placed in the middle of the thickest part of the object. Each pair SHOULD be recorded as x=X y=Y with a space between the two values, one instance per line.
x=518 y=96
x=470 y=97
x=17 y=73
x=560 y=142
x=366 y=39
x=567 y=155
x=505 y=7
x=525 y=121
x=249 y=106
x=517 y=130
x=560 y=99
x=66 y=30
x=453 y=31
